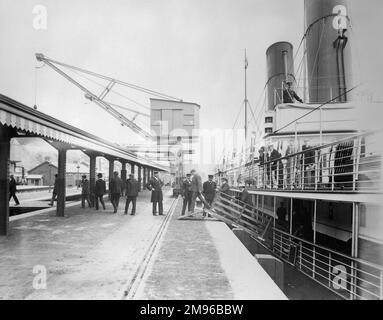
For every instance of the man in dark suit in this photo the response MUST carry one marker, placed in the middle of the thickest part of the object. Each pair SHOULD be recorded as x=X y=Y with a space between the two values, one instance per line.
x=85 y=187
x=186 y=194
x=132 y=189
x=115 y=189
x=55 y=190
x=12 y=190
x=274 y=157
x=209 y=188
x=289 y=95
x=196 y=187
x=155 y=185
x=100 y=190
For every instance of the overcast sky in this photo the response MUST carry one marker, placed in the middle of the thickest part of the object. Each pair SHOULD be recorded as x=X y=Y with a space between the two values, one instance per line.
x=191 y=49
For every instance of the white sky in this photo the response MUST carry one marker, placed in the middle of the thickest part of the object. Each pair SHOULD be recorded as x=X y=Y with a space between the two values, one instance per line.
x=192 y=49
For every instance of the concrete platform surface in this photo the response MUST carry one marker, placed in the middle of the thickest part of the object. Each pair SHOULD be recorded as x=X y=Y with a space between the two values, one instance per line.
x=200 y=259
x=87 y=255
x=91 y=254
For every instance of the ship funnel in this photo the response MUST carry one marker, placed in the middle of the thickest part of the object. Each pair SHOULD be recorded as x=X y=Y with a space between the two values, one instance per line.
x=328 y=50
x=280 y=68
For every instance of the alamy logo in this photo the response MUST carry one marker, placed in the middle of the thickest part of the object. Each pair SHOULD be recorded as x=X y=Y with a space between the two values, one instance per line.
x=340 y=279
x=40 y=280
x=340 y=21
x=40 y=19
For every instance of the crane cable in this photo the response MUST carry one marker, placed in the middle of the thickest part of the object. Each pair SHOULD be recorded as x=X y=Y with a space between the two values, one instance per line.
x=123 y=83
x=111 y=90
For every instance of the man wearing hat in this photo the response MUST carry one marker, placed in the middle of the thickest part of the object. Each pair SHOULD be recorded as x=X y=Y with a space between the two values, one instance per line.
x=115 y=189
x=12 y=189
x=85 y=191
x=132 y=189
x=100 y=190
x=155 y=185
x=186 y=193
x=289 y=95
x=55 y=190
x=209 y=188
x=261 y=160
x=196 y=187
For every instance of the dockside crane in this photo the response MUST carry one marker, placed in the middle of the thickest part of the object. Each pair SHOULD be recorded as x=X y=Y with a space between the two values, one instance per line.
x=99 y=99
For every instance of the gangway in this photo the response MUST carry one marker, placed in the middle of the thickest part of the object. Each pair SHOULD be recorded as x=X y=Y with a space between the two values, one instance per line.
x=239 y=214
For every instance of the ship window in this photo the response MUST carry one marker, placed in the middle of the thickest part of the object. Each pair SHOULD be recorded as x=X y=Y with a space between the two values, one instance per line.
x=269 y=120
x=268 y=130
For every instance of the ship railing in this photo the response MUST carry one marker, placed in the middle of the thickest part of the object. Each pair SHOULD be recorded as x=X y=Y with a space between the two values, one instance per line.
x=236 y=212
x=349 y=277
x=352 y=164
x=315 y=94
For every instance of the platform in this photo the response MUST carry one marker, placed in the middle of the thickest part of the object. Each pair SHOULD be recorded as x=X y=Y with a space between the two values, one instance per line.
x=92 y=254
x=203 y=259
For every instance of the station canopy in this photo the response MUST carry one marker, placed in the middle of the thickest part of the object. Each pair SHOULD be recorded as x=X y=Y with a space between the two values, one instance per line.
x=35 y=123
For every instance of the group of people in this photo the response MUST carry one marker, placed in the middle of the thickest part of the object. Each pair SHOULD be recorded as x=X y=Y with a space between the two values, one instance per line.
x=277 y=170
x=192 y=188
x=117 y=187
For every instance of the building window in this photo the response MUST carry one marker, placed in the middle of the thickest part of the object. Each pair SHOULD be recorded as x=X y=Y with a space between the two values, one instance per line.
x=269 y=120
x=268 y=130
x=188 y=120
x=156 y=115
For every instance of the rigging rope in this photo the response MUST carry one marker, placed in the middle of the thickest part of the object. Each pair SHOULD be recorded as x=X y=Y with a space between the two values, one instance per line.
x=111 y=90
x=132 y=86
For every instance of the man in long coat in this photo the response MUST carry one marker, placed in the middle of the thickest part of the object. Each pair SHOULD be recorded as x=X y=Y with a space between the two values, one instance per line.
x=186 y=194
x=12 y=189
x=209 y=189
x=196 y=187
x=85 y=190
x=115 y=189
x=155 y=185
x=132 y=189
x=100 y=190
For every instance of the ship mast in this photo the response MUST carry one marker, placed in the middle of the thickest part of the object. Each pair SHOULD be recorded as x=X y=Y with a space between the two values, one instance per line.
x=246 y=101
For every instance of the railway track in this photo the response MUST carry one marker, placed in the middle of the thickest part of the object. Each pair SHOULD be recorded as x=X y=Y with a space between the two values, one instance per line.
x=132 y=287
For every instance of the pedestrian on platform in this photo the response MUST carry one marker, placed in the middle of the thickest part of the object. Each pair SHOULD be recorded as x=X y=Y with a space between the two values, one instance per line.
x=209 y=188
x=196 y=188
x=100 y=190
x=155 y=186
x=13 y=189
x=85 y=191
x=186 y=193
x=55 y=190
x=115 y=189
x=132 y=189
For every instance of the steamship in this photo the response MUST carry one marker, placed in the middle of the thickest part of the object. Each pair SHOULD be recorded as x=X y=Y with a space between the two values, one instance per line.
x=313 y=169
